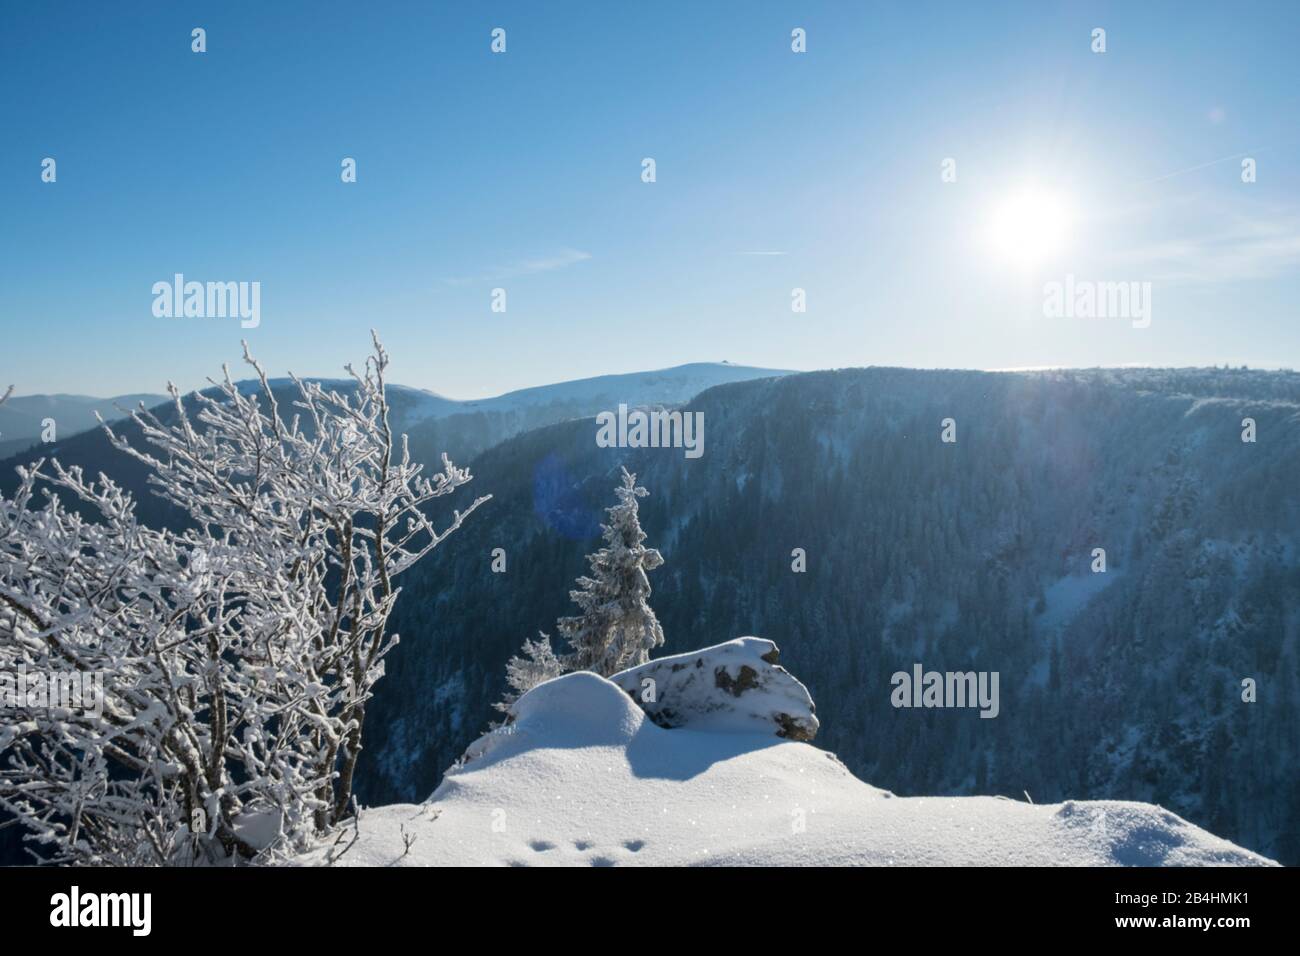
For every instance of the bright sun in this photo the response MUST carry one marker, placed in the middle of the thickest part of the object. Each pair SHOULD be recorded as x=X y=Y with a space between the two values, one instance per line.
x=1030 y=226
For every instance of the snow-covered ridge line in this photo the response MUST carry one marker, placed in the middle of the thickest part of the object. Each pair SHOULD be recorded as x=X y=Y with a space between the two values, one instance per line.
x=582 y=777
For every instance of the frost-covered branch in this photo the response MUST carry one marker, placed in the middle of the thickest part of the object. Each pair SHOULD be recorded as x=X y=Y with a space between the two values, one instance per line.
x=237 y=655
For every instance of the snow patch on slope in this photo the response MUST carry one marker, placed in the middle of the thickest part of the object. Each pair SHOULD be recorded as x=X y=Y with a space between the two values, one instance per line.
x=1069 y=595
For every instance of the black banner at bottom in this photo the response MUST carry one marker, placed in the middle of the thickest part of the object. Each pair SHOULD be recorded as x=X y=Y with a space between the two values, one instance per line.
x=346 y=905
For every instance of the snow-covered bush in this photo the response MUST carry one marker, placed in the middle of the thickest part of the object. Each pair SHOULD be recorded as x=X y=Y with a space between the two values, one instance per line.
x=237 y=655
x=536 y=664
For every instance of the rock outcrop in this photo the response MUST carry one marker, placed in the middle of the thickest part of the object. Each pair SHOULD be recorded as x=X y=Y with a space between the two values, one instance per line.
x=738 y=686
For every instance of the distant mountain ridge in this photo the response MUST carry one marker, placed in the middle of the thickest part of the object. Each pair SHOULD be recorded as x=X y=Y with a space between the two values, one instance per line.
x=465 y=426
x=474 y=426
x=22 y=417
x=668 y=386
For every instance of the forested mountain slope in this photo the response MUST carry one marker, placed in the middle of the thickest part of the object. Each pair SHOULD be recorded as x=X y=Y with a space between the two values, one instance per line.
x=972 y=555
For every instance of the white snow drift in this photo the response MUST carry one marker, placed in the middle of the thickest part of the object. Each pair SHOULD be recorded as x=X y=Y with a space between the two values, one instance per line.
x=582 y=776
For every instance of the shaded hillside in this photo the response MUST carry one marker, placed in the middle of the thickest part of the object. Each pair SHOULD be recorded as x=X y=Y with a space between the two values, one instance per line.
x=973 y=555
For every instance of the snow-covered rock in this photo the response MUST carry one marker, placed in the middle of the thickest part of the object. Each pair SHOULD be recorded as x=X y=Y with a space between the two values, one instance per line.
x=582 y=777
x=735 y=686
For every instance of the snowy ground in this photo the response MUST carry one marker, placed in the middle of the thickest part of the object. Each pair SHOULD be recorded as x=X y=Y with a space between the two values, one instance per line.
x=583 y=777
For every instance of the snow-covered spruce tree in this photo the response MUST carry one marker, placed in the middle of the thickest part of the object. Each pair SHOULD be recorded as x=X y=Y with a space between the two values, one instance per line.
x=524 y=672
x=617 y=628
x=237 y=656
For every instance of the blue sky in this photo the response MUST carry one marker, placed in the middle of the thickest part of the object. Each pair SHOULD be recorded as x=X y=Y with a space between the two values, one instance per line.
x=522 y=171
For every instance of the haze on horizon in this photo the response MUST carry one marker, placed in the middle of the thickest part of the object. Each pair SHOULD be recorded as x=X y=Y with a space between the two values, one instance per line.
x=633 y=372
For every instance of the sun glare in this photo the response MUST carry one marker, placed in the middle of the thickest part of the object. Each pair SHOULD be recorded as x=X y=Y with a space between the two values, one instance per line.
x=1029 y=227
